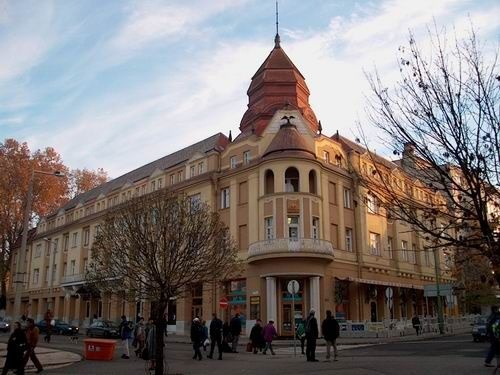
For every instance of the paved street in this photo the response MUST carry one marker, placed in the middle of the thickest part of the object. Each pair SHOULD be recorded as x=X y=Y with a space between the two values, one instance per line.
x=446 y=355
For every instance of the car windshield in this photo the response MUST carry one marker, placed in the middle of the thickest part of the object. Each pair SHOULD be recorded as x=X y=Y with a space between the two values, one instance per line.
x=61 y=323
x=109 y=324
x=481 y=320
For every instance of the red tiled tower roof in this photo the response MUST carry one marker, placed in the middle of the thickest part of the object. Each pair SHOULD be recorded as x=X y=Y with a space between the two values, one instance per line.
x=288 y=141
x=276 y=84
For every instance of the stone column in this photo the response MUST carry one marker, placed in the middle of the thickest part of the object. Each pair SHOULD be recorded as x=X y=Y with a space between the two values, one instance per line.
x=271 y=299
x=314 y=292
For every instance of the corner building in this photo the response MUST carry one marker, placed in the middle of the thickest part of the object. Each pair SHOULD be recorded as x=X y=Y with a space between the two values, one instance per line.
x=288 y=194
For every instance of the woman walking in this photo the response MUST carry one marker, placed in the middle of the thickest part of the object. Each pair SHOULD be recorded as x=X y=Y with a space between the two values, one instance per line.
x=15 y=351
x=269 y=334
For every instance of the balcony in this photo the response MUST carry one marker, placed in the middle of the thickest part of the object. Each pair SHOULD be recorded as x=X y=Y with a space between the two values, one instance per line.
x=69 y=280
x=288 y=247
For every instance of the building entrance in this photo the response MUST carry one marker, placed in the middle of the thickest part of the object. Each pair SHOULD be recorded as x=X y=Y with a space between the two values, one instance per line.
x=289 y=316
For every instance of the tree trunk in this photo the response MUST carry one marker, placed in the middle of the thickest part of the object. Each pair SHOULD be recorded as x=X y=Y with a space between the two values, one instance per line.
x=161 y=325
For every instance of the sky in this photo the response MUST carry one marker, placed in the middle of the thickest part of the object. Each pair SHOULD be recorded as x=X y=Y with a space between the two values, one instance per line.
x=119 y=83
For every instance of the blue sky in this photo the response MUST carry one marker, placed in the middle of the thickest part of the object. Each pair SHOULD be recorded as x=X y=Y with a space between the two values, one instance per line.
x=117 y=84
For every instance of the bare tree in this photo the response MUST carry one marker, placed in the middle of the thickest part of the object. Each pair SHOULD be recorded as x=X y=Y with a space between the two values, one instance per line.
x=442 y=116
x=155 y=247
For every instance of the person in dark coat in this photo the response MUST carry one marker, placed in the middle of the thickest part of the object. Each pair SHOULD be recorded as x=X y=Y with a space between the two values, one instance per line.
x=312 y=334
x=331 y=330
x=235 y=327
x=494 y=344
x=15 y=351
x=196 y=337
x=256 y=336
x=215 y=336
x=226 y=338
x=415 y=322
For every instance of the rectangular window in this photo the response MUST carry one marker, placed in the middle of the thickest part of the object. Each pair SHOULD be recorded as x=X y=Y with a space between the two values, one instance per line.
x=66 y=242
x=375 y=243
x=404 y=250
x=413 y=255
x=72 y=267
x=326 y=157
x=293 y=228
x=269 y=227
x=389 y=248
x=315 y=228
x=347 y=198
x=195 y=201
x=201 y=168
x=246 y=157
x=85 y=264
x=54 y=272
x=159 y=183
x=348 y=239
x=46 y=278
x=179 y=176
x=427 y=258
x=224 y=198
x=38 y=251
x=192 y=171
x=86 y=236
x=372 y=204
x=65 y=266
x=153 y=185
x=172 y=179
x=36 y=276
x=143 y=189
x=232 y=162
x=75 y=239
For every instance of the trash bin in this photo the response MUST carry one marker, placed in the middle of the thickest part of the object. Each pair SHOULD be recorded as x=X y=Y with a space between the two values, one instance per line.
x=99 y=349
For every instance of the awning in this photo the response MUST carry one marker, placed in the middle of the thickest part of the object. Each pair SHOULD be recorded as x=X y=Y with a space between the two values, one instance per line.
x=385 y=283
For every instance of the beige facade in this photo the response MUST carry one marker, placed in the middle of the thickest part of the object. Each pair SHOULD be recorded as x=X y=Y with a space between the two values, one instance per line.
x=290 y=198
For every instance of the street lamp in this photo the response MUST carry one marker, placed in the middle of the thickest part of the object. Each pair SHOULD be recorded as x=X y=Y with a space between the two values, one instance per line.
x=24 y=239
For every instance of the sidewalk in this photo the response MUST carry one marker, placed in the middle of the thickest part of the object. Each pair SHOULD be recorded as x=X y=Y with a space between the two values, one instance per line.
x=50 y=358
x=184 y=339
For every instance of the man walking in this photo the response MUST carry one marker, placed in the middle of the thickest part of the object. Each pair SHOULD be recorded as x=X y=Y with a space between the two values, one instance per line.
x=235 y=327
x=311 y=336
x=215 y=336
x=494 y=342
x=196 y=337
x=32 y=334
x=331 y=330
x=125 y=333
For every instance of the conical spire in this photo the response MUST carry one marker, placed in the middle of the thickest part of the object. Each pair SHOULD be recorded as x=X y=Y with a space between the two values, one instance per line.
x=277 y=37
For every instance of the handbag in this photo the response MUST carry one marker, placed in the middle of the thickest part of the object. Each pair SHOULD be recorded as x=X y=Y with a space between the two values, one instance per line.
x=249 y=347
x=206 y=342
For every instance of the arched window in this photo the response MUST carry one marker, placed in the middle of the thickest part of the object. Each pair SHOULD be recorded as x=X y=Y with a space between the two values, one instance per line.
x=291 y=180
x=312 y=182
x=269 y=182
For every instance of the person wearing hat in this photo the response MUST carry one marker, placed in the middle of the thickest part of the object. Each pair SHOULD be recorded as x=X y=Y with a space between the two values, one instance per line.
x=269 y=334
x=196 y=337
x=312 y=334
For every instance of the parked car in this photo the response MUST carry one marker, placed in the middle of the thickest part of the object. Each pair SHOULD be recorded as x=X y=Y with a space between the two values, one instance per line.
x=60 y=327
x=479 y=329
x=4 y=325
x=103 y=328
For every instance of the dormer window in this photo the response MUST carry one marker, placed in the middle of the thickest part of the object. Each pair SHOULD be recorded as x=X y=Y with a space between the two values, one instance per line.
x=192 y=171
x=201 y=168
x=326 y=157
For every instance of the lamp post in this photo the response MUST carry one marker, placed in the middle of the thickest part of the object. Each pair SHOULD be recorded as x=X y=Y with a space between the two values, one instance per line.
x=20 y=276
x=438 y=291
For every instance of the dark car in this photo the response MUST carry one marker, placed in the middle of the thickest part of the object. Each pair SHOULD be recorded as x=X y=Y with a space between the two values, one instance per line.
x=60 y=327
x=4 y=325
x=479 y=329
x=103 y=328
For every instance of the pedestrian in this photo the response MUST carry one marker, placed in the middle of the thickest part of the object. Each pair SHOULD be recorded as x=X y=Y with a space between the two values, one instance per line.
x=196 y=335
x=15 y=351
x=415 y=322
x=256 y=336
x=140 y=337
x=312 y=334
x=204 y=336
x=151 y=344
x=330 y=329
x=269 y=334
x=492 y=322
x=215 y=336
x=32 y=335
x=226 y=338
x=235 y=327
x=301 y=334
x=48 y=325
x=125 y=334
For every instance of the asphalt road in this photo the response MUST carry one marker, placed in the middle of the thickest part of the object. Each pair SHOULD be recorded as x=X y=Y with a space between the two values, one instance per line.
x=446 y=355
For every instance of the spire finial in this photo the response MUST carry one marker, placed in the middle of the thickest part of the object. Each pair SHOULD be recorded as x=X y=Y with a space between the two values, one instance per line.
x=277 y=37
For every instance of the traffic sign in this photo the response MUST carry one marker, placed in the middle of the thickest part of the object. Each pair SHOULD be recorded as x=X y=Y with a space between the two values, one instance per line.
x=293 y=287
x=223 y=303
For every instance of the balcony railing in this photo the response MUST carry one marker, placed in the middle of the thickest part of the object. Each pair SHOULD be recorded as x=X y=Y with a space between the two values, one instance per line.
x=79 y=278
x=291 y=246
